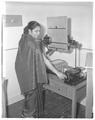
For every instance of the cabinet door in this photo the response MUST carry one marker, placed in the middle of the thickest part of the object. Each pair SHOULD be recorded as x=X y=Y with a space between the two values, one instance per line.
x=59 y=36
x=57 y=22
x=59 y=28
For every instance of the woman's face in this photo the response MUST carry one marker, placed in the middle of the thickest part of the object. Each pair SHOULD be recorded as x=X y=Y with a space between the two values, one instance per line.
x=35 y=32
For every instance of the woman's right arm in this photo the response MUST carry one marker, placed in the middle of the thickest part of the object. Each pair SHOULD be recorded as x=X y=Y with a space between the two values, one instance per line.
x=53 y=69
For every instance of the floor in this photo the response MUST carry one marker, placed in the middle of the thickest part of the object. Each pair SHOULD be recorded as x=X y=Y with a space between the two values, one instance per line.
x=56 y=106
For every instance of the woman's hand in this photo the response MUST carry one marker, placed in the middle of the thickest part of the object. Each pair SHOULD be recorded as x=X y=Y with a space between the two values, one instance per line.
x=61 y=75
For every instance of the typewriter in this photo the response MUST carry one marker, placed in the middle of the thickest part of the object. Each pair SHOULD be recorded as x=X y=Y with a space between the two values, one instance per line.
x=75 y=76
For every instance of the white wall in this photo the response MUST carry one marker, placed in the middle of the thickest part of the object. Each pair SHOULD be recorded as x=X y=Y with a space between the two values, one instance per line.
x=80 y=14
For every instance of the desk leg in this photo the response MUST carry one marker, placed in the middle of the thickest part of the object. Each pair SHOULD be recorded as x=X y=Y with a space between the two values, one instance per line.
x=74 y=104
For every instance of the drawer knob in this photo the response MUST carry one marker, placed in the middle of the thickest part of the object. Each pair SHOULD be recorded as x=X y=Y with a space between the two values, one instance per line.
x=58 y=88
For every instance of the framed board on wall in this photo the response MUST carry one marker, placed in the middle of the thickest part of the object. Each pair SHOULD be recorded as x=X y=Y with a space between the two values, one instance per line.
x=13 y=20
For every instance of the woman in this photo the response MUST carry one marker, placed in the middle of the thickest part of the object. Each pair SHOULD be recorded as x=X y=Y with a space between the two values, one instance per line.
x=30 y=65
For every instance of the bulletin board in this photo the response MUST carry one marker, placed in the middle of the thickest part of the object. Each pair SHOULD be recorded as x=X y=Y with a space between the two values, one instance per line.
x=12 y=20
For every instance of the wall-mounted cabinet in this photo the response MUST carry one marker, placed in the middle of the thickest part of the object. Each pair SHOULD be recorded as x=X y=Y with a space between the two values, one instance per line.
x=59 y=28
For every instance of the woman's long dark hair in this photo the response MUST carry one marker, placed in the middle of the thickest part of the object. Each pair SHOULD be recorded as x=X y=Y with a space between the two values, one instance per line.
x=31 y=25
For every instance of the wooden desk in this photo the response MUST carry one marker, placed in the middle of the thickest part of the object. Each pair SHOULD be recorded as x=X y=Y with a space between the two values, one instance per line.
x=75 y=93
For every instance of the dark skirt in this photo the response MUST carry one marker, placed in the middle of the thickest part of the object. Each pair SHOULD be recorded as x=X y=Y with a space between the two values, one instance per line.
x=34 y=102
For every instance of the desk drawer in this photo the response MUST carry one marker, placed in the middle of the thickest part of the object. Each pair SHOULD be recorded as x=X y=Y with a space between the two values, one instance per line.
x=57 y=90
x=58 y=87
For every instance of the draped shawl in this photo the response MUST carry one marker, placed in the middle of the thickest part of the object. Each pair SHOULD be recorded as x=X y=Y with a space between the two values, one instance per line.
x=29 y=64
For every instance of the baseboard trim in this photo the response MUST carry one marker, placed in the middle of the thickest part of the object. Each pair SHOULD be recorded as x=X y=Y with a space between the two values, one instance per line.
x=15 y=99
